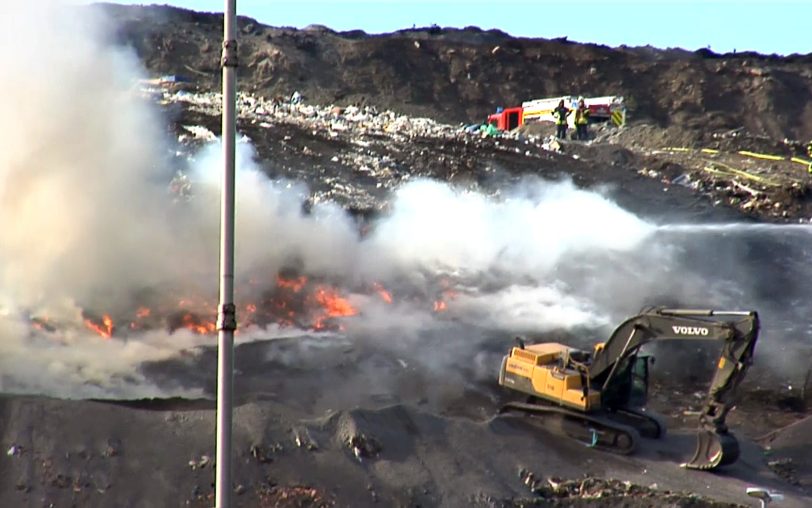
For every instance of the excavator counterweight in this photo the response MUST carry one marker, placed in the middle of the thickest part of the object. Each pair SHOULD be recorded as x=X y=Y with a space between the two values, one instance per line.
x=598 y=396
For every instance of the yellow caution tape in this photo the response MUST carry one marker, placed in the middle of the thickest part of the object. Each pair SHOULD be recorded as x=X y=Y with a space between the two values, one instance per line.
x=761 y=155
x=711 y=169
x=686 y=149
x=731 y=171
x=745 y=174
x=725 y=169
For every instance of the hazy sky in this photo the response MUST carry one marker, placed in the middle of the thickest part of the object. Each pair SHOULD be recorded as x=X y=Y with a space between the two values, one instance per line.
x=723 y=25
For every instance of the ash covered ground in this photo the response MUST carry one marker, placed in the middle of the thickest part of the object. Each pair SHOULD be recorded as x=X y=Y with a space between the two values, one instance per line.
x=385 y=262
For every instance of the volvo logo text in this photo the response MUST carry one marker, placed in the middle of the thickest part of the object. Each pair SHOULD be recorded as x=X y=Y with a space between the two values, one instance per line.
x=690 y=330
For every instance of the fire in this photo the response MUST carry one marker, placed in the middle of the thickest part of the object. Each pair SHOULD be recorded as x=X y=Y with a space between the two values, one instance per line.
x=382 y=292
x=284 y=314
x=441 y=305
x=333 y=306
x=104 y=328
x=294 y=301
x=141 y=314
x=294 y=285
x=191 y=322
x=298 y=301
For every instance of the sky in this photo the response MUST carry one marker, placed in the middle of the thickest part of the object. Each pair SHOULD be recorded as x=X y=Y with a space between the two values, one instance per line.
x=779 y=27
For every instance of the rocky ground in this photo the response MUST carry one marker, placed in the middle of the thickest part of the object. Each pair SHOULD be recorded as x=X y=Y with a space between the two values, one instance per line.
x=356 y=156
x=342 y=423
x=433 y=441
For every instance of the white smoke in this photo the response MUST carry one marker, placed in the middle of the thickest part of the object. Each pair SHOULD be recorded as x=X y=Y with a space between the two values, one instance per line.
x=528 y=232
x=81 y=185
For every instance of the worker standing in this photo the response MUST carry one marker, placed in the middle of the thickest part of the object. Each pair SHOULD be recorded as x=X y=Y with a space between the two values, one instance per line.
x=560 y=114
x=581 y=121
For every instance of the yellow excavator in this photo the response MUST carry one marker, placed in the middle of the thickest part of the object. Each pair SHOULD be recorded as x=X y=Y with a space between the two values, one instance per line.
x=599 y=396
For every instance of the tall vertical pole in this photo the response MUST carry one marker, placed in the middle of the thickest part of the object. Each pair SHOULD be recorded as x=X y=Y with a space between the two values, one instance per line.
x=227 y=311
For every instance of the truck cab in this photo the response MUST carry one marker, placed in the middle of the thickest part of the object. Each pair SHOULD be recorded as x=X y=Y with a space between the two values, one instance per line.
x=506 y=119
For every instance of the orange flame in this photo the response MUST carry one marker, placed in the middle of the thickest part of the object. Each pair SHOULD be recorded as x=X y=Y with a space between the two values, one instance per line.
x=333 y=306
x=141 y=313
x=190 y=322
x=441 y=305
x=385 y=295
x=105 y=328
x=294 y=285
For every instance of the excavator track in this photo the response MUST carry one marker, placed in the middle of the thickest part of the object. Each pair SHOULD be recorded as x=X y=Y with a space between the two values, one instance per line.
x=647 y=423
x=594 y=431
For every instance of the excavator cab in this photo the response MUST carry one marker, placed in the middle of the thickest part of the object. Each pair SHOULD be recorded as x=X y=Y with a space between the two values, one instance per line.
x=629 y=385
x=638 y=394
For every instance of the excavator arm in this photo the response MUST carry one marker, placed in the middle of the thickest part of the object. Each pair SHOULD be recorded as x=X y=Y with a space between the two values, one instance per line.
x=738 y=330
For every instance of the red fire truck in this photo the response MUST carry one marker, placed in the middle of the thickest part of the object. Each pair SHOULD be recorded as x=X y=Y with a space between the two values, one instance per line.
x=601 y=109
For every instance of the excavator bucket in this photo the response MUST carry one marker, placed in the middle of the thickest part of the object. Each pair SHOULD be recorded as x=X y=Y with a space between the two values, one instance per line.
x=713 y=450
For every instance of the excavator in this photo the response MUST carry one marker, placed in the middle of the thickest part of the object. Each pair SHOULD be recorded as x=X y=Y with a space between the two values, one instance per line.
x=598 y=396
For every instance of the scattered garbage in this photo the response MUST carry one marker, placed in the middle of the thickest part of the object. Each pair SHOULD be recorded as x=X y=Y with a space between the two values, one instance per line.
x=529 y=480
x=201 y=133
x=785 y=468
x=113 y=448
x=292 y=495
x=264 y=454
x=551 y=144
x=363 y=446
x=358 y=121
x=302 y=438
x=744 y=179
x=201 y=463
x=590 y=487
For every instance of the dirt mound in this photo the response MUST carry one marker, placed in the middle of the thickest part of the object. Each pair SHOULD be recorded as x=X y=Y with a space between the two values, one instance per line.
x=458 y=75
x=392 y=456
x=787 y=452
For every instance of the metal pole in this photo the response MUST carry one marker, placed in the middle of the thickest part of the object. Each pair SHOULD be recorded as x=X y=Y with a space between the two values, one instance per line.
x=227 y=312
